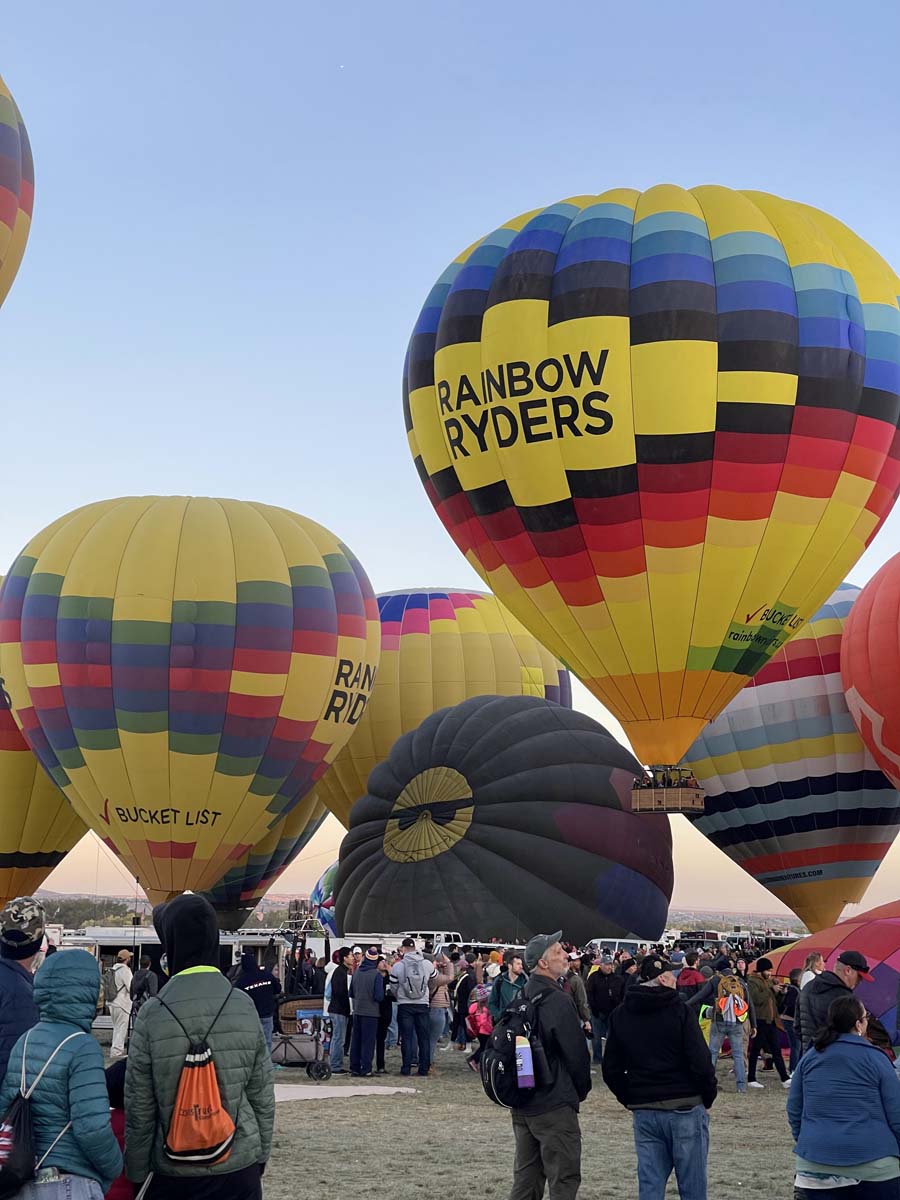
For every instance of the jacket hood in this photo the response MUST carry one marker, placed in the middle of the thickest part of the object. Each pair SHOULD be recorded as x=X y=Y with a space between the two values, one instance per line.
x=367 y=965
x=66 y=988
x=416 y=954
x=188 y=932
x=248 y=963
x=650 y=999
x=827 y=980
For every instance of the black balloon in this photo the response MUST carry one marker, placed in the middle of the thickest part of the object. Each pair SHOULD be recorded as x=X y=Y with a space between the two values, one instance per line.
x=503 y=817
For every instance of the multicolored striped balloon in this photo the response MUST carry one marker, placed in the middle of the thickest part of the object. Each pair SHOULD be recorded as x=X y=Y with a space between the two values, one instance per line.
x=439 y=646
x=321 y=901
x=792 y=794
x=38 y=826
x=16 y=189
x=662 y=427
x=243 y=885
x=186 y=669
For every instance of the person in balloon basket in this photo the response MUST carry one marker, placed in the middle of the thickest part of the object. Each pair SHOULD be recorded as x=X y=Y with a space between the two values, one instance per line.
x=657 y=1064
x=21 y=934
x=77 y=1153
x=817 y=997
x=198 y=1003
x=546 y=1128
x=410 y=977
x=844 y=1112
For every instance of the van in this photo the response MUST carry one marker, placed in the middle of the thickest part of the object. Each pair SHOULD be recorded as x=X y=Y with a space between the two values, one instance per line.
x=611 y=945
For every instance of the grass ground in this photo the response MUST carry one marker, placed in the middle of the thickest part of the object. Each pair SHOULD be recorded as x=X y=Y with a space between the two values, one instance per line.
x=450 y=1139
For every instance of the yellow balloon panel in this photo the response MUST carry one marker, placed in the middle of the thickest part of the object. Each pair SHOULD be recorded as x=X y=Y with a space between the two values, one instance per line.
x=186 y=669
x=438 y=648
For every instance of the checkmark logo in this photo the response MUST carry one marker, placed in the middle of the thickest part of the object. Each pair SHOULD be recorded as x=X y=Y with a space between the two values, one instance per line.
x=750 y=616
x=104 y=816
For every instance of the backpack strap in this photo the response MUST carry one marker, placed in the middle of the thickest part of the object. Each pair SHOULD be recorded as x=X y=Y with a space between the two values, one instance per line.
x=40 y=1075
x=26 y=1095
x=191 y=1041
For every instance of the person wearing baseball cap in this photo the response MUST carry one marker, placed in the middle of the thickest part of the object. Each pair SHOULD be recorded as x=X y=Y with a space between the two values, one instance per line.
x=657 y=1064
x=817 y=996
x=21 y=935
x=546 y=1129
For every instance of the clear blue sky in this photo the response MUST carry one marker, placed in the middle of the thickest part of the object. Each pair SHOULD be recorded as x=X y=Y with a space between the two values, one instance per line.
x=239 y=210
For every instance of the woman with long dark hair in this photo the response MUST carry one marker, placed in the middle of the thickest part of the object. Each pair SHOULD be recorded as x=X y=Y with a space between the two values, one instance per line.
x=844 y=1112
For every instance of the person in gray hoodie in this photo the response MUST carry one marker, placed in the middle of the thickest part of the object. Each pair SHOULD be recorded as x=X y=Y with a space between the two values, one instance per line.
x=410 y=977
x=366 y=992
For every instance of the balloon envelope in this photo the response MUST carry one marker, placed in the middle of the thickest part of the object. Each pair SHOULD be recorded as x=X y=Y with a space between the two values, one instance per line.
x=662 y=428
x=16 y=189
x=38 y=826
x=505 y=816
x=321 y=901
x=243 y=885
x=792 y=794
x=870 y=666
x=186 y=669
x=876 y=935
x=438 y=647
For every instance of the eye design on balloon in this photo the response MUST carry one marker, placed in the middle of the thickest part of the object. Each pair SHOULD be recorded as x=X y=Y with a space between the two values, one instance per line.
x=431 y=814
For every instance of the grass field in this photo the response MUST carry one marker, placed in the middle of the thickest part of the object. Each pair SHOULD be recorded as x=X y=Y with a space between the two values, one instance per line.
x=450 y=1139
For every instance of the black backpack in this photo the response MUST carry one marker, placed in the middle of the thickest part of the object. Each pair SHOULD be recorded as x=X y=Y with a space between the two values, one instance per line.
x=498 y=1061
x=17 y=1158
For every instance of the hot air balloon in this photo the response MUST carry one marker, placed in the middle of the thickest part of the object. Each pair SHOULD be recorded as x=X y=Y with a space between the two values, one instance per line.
x=662 y=427
x=792 y=795
x=503 y=816
x=186 y=669
x=16 y=189
x=321 y=901
x=38 y=826
x=876 y=935
x=870 y=666
x=438 y=647
x=243 y=885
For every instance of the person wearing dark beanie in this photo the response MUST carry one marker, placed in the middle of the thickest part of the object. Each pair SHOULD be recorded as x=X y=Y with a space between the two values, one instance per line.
x=198 y=1003
x=21 y=934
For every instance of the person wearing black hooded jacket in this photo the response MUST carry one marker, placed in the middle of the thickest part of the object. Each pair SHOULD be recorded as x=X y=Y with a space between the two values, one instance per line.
x=657 y=1064
x=263 y=989
x=816 y=998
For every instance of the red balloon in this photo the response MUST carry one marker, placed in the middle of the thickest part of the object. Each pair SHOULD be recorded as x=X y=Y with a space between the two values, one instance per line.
x=870 y=667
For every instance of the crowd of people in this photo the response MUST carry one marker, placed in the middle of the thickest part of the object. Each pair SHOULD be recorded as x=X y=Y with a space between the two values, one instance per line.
x=653 y=1025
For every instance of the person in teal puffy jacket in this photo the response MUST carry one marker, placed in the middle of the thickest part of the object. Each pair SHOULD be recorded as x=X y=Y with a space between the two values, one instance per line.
x=86 y=1158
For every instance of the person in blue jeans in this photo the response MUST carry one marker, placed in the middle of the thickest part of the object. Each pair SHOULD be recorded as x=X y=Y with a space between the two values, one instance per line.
x=410 y=977
x=337 y=995
x=657 y=1064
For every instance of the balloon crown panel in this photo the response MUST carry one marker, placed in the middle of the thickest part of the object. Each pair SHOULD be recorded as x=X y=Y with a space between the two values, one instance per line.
x=500 y=816
x=661 y=427
x=186 y=669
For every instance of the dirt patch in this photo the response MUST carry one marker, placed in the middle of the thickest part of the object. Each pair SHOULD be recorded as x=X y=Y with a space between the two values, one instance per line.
x=346 y=1145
